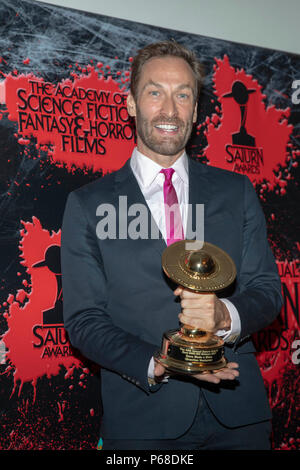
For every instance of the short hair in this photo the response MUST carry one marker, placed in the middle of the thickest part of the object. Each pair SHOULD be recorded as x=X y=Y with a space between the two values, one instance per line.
x=164 y=49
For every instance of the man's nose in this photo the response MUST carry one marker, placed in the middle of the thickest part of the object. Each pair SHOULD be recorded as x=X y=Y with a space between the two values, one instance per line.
x=169 y=107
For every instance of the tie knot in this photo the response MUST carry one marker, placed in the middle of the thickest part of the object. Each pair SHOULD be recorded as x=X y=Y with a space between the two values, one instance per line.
x=168 y=172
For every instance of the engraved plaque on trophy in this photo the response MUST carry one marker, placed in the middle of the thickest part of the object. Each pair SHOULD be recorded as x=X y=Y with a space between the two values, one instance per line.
x=189 y=350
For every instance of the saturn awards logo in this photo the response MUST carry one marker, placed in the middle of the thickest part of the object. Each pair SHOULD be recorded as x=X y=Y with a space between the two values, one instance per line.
x=245 y=134
x=247 y=158
x=36 y=342
x=51 y=335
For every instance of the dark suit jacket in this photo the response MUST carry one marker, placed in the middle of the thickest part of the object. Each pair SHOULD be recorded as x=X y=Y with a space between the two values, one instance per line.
x=118 y=303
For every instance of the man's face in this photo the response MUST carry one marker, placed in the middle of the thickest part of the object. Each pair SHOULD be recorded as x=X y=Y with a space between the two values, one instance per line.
x=165 y=107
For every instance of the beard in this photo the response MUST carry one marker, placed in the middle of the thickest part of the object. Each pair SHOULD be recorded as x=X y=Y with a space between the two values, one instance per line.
x=168 y=145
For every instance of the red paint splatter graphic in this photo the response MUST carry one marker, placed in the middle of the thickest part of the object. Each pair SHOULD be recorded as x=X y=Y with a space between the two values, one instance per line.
x=81 y=122
x=36 y=342
x=279 y=359
x=244 y=135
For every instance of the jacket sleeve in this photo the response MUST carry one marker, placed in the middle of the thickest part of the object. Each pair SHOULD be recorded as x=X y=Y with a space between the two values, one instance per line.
x=258 y=298
x=90 y=328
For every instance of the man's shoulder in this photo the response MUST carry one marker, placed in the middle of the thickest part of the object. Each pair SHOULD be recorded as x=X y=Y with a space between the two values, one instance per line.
x=101 y=184
x=216 y=174
x=99 y=188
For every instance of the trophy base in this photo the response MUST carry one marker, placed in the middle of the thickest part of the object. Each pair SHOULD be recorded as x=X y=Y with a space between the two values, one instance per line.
x=189 y=368
x=190 y=351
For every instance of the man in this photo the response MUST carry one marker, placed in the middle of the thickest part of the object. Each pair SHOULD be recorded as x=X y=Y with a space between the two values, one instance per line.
x=118 y=302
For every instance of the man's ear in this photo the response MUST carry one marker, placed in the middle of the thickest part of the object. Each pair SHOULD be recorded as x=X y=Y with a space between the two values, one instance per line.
x=195 y=113
x=131 y=107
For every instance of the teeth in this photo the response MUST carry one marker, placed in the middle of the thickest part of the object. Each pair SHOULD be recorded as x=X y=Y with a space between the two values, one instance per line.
x=167 y=127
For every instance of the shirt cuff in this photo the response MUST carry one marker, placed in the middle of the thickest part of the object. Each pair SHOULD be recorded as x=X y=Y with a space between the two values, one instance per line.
x=229 y=336
x=151 y=368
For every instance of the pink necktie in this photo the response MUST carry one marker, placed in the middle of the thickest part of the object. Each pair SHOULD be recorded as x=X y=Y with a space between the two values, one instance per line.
x=172 y=210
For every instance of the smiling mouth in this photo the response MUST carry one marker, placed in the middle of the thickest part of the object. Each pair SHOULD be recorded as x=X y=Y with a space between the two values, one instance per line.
x=167 y=127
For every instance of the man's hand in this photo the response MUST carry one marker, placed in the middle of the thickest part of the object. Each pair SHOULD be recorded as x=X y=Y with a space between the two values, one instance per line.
x=203 y=311
x=230 y=372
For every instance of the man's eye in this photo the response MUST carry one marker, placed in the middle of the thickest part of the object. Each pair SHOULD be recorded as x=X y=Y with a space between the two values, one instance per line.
x=183 y=96
x=154 y=93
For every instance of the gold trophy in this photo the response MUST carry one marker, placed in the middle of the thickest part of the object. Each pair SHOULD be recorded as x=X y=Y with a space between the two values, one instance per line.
x=210 y=269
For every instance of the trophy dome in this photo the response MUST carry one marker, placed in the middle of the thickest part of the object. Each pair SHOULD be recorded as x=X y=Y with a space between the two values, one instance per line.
x=200 y=262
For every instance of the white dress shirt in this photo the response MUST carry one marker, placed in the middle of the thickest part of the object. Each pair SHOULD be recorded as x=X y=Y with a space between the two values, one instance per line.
x=150 y=181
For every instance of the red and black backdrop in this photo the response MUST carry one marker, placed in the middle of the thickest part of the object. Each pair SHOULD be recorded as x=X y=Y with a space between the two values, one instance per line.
x=63 y=122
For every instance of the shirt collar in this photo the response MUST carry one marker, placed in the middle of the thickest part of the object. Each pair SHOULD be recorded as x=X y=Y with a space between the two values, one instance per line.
x=146 y=170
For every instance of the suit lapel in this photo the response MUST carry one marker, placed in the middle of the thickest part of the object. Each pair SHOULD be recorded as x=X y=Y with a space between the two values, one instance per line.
x=127 y=185
x=199 y=193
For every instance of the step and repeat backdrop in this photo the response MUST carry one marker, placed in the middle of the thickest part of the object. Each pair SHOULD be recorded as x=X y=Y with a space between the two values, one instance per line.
x=64 y=77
